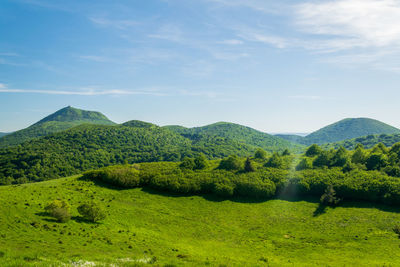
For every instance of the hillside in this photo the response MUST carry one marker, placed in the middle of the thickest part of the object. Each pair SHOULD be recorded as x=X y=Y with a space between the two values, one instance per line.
x=92 y=146
x=61 y=120
x=3 y=134
x=240 y=134
x=190 y=230
x=367 y=141
x=343 y=130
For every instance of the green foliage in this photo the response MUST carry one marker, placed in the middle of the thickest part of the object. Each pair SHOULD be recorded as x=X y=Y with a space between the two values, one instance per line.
x=94 y=146
x=376 y=161
x=286 y=152
x=59 y=209
x=275 y=161
x=313 y=150
x=304 y=164
x=359 y=156
x=329 y=197
x=231 y=163
x=260 y=154
x=92 y=212
x=200 y=162
x=323 y=160
x=248 y=165
x=187 y=163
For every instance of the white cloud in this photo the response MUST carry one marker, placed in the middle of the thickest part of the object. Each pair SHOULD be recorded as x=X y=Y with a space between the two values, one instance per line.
x=120 y=24
x=231 y=42
x=351 y=24
x=83 y=92
x=168 y=32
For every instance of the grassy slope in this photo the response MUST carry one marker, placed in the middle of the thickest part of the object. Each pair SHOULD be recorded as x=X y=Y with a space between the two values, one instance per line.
x=61 y=120
x=191 y=230
x=240 y=133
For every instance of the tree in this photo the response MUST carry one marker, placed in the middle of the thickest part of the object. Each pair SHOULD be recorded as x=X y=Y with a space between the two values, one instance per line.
x=340 y=157
x=359 y=156
x=313 y=150
x=187 y=163
x=92 y=212
x=322 y=160
x=275 y=161
x=248 y=165
x=379 y=148
x=260 y=154
x=304 y=164
x=230 y=163
x=329 y=197
x=59 y=209
x=200 y=162
x=286 y=152
x=376 y=161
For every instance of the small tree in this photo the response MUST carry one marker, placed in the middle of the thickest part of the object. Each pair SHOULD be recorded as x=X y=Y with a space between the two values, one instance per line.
x=329 y=197
x=260 y=154
x=313 y=150
x=304 y=164
x=59 y=209
x=275 y=161
x=286 y=152
x=187 y=163
x=231 y=163
x=92 y=212
x=248 y=165
x=200 y=162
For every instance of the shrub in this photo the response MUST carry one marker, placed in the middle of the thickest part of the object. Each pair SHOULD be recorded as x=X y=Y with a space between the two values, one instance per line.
x=304 y=164
x=231 y=163
x=275 y=161
x=187 y=163
x=329 y=197
x=92 y=212
x=260 y=154
x=248 y=165
x=59 y=209
x=120 y=175
x=313 y=150
x=200 y=162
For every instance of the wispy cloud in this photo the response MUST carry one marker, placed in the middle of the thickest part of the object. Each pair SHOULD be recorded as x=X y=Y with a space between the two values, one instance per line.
x=168 y=32
x=306 y=97
x=94 y=58
x=8 y=54
x=357 y=23
x=121 y=24
x=82 y=92
x=231 y=42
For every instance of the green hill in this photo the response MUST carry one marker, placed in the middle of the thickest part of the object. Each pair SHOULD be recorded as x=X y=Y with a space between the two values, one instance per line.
x=147 y=227
x=239 y=133
x=61 y=120
x=367 y=141
x=343 y=130
x=92 y=146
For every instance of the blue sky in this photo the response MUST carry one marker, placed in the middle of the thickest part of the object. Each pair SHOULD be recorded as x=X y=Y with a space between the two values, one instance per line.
x=277 y=66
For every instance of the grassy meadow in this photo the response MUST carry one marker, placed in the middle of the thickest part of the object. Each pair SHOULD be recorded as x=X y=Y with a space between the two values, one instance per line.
x=152 y=228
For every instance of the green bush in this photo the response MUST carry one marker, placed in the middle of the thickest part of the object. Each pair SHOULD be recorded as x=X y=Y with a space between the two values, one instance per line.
x=231 y=163
x=92 y=212
x=59 y=209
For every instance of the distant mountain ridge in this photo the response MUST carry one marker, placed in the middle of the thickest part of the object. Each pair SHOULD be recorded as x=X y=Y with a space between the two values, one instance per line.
x=342 y=130
x=61 y=120
x=3 y=134
x=238 y=133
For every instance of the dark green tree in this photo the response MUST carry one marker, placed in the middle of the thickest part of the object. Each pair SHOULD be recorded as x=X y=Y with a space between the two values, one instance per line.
x=200 y=162
x=329 y=197
x=248 y=165
x=230 y=163
x=187 y=163
x=313 y=150
x=92 y=212
x=260 y=154
x=275 y=161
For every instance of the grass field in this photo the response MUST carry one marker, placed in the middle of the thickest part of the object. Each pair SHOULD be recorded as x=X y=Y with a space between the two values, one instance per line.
x=144 y=227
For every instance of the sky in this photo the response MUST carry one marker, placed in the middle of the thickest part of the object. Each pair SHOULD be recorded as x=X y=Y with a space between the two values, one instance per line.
x=276 y=66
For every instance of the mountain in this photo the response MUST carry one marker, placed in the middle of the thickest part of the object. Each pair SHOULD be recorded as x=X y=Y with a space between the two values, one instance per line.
x=343 y=130
x=239 y=133
x=61 y=120
x=91 y=146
